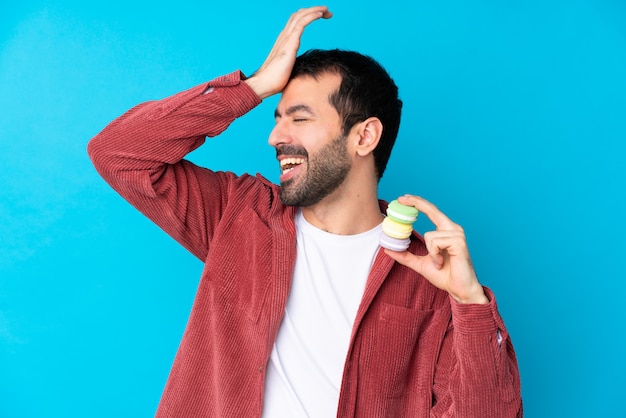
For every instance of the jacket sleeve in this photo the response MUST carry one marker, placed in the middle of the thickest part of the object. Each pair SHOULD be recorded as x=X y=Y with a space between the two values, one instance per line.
x=477 y=374
x=140 y=154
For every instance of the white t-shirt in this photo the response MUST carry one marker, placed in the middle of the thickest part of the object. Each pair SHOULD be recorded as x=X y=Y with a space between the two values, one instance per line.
x=306 y=365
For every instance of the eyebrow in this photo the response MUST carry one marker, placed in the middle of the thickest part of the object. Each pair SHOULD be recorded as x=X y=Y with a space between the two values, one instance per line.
x=293 y=109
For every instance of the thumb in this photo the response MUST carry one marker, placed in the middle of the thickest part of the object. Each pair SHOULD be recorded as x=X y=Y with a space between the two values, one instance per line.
x=420 y=264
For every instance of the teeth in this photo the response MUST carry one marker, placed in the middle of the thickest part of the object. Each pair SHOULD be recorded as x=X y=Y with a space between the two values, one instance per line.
x=291 y=161
x=287 y=164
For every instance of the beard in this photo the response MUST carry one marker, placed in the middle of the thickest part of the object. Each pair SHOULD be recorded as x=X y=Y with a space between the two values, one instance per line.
x=325 y=172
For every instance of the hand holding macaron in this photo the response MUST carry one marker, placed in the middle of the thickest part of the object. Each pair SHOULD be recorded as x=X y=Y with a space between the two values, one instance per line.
x=447 y=264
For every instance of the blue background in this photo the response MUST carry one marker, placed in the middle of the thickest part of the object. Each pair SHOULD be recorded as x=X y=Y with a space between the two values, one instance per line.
x=514 y=125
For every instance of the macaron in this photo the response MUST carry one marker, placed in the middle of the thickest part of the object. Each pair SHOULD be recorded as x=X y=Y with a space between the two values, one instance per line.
x=398 y=226
x=401 y=213
x=394 y=244
x=395 y=229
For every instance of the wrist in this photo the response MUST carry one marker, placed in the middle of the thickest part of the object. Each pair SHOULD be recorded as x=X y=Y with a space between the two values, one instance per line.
x=476 y=296
x=257 y=86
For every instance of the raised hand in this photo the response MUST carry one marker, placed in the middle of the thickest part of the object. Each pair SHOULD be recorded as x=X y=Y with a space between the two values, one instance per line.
x=273 y=75
x=447 y=264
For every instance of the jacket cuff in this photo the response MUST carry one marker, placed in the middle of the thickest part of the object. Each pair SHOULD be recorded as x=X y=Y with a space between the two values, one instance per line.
x=239 y=96
x=476 y=318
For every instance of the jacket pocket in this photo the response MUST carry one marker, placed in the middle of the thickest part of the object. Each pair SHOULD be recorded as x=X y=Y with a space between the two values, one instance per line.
x=406 y=347
x=241 y=260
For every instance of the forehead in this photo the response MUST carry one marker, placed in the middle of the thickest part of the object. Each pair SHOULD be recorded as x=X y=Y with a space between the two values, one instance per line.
x=311 y=91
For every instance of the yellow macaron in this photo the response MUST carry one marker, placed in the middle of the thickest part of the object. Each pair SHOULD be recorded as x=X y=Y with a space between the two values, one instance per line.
x=396 y=229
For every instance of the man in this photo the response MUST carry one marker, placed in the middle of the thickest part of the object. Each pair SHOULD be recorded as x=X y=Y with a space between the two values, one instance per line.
x=299 y=313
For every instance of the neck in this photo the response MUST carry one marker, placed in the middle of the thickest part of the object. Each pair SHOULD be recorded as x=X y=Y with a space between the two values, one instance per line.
x=346 y=211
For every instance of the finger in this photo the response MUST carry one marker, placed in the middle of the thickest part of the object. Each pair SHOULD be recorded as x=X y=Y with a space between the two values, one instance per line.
x=421 y=264
x=438 y=218
x=297 y=22
x=288 y=41
x=300 y=19
x=407 y=258
x=453 y=242
x=446 y=246
x=435 y=251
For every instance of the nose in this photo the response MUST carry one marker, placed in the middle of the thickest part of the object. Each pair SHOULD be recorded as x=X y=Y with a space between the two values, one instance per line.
x=279 y=134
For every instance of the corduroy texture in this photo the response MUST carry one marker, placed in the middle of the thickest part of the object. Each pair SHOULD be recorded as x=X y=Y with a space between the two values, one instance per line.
x=414 y=352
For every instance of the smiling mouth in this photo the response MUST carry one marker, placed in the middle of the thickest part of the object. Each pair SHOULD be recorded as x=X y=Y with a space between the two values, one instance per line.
x=288 y=164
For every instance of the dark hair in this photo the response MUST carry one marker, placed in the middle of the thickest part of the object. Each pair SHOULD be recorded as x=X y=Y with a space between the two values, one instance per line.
x=366 y=90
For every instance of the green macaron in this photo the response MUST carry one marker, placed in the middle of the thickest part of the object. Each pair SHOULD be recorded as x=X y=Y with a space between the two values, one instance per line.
x=401 y=213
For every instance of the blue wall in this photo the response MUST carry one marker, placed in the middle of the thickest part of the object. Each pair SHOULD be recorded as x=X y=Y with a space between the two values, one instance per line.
x=515 y=122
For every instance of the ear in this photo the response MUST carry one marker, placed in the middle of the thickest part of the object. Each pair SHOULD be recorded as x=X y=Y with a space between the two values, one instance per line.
x=369 y=132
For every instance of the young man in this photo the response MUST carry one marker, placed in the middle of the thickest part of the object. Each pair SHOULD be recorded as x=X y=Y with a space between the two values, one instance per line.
x=299 y=313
